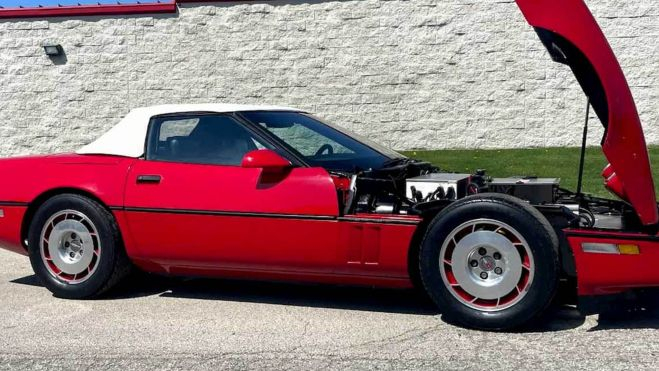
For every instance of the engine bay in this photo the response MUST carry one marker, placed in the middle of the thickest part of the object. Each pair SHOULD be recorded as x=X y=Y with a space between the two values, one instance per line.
x=412 y=187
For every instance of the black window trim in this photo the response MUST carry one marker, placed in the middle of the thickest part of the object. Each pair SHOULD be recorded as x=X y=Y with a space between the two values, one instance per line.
x=196 y=114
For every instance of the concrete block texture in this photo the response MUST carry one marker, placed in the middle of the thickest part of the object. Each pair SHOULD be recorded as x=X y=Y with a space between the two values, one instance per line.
x=409 y=74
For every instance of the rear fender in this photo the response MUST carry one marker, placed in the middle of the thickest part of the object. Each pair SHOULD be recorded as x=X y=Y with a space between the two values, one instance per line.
x=35 y=179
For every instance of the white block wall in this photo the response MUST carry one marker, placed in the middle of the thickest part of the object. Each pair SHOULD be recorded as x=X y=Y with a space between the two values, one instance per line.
x=410 y=74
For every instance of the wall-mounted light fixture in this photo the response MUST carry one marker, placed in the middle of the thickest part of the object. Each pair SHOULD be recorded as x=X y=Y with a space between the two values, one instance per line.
x=53 y=50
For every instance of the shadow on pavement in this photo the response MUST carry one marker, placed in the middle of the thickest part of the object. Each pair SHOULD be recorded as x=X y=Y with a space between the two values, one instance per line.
x=320 y=296
x=28 y=280
x=632 y=315
x=643 y=319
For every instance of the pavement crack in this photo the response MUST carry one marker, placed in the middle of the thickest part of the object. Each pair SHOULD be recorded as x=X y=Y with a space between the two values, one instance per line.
x=416 y=333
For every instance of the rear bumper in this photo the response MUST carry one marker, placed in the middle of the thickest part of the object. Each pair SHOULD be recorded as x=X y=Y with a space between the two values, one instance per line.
x=610 y=272
x=11 y=221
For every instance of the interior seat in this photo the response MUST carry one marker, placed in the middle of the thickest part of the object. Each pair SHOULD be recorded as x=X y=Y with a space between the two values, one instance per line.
x=221 y=140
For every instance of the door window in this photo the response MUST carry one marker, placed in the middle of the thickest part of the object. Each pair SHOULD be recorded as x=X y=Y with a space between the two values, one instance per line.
x=207 y=139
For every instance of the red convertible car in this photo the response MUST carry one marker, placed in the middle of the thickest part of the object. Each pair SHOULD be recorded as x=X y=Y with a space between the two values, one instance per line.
x=275 y=193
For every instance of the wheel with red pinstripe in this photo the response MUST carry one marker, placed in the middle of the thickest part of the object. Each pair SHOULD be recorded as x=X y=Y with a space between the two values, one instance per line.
x=75 y=247
x=490 y=261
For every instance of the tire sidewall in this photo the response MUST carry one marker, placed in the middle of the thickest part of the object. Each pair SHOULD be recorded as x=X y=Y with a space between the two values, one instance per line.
x=108 y=246
x=541 y=241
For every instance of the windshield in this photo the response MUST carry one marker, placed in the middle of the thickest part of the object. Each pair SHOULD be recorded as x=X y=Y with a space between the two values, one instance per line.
x=321 y=144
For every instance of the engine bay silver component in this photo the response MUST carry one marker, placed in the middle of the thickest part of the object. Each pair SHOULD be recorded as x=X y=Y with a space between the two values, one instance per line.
x=352 y=191
x=574 y=208
x=385 y=208
x=537 y=191
x=437 y=186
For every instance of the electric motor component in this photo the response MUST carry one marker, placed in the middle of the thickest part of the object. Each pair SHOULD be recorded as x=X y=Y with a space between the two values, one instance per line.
x=437 y=186
x=365 y=204
x=537 y=191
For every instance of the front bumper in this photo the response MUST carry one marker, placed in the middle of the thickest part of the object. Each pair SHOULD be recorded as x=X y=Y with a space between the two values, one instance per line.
x=611 y=263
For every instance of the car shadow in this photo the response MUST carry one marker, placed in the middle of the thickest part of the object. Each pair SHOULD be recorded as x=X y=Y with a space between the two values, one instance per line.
x=631 y=316
x=28 y=281
x=401 y=301
x=302 y=295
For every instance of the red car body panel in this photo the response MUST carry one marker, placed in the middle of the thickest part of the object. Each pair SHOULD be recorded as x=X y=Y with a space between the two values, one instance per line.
x=375 y=246
x=102 y=176
x=624 y=144
x=300 y=191
x=233 y=217
x=601 y=274
x=10 y=227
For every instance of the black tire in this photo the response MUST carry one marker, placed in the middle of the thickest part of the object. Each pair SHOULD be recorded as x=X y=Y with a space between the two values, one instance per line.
x=111 y=265
x=526 y=221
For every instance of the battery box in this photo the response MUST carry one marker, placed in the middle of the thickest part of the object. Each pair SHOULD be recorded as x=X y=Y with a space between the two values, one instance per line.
x=535 y=190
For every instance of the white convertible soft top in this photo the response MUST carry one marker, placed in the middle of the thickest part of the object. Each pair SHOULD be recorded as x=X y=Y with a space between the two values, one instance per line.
x=128 y=137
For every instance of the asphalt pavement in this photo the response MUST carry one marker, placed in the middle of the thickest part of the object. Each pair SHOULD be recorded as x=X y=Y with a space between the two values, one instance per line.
x=168 y=324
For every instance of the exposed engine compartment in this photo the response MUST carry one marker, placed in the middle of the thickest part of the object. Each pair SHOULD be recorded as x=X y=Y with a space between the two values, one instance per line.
x=411 y=187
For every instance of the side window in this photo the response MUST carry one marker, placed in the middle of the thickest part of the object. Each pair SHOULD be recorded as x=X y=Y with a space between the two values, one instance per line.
x=213 y=140
x=177 y=128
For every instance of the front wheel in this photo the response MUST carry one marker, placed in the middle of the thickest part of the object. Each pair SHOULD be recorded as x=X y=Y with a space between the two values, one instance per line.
x=490 y=262
x=75 y=247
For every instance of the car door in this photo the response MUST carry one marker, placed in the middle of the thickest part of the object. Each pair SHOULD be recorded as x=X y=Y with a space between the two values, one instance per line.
x=189 y=203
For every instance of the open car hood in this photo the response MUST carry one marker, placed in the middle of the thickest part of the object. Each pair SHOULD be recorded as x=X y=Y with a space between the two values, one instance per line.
x=573 y=37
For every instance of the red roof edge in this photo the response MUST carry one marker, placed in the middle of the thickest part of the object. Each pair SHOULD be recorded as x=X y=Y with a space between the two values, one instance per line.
x=88 y=10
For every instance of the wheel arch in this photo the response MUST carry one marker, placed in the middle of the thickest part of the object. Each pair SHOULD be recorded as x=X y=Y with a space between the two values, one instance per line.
x=47 y=195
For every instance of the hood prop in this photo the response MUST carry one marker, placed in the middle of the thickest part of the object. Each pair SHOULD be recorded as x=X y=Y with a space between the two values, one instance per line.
x=582 y=157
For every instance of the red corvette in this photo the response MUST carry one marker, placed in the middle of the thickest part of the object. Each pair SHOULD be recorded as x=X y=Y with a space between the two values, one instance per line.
x=275 y=193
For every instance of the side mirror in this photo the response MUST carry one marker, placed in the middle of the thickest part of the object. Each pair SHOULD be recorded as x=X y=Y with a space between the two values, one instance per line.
x=265 y=159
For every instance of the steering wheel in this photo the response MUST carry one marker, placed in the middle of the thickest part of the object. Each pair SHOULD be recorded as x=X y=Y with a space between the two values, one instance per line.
x=325 y=148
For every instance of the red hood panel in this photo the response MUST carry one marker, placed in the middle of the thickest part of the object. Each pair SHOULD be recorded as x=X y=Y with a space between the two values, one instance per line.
x=624 y=143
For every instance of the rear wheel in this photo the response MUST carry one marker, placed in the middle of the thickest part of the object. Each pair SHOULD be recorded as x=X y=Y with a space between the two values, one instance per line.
x=75 y=247
x=490 y=262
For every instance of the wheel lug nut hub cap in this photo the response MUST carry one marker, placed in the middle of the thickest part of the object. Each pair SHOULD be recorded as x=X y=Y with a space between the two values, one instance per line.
x=487 y=263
